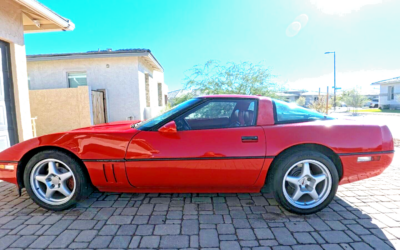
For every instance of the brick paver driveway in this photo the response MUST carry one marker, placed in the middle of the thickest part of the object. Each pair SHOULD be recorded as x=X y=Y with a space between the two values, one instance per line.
x=364 y=215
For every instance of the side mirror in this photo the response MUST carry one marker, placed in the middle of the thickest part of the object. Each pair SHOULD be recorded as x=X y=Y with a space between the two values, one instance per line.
x=169 y=128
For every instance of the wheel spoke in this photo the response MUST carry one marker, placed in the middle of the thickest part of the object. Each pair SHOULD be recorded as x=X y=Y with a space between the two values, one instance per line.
x=314 y=194
x=49 y=193
x=64 y=190
x=319 y=178
x=306 y=169
x=65 y=176
x=297 y=194
x=41 y=178
x=307 y=184
x=52 y=168
x=293 y=180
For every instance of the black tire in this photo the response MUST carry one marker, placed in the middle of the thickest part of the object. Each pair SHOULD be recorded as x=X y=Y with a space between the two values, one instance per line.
x=83 y=187
x=285 y=162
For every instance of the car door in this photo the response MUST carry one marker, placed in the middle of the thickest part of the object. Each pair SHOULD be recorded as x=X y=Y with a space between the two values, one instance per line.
x=217 y=145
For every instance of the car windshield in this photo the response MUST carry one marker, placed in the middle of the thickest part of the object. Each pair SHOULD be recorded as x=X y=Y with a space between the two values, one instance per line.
x=290 y=113
x=158 y=119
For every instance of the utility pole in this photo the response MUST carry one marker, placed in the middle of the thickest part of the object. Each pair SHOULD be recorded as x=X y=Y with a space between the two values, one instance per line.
x=327 y=100
x=334 y=81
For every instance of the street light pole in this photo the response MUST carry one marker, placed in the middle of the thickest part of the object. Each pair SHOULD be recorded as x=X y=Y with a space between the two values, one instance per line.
x=334 y=78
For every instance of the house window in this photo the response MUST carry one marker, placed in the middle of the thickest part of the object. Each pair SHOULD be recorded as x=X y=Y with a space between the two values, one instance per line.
x=390 y=92
x=166 y=99
x=147 y=87
x=159 y=94
x=76 y=79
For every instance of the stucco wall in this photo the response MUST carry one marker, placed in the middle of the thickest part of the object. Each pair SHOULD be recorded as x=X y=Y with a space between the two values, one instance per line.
x=120 y=79
x=12 y=31
x=383 y=96
x=11 y=28
x=60 y=110
x=155 y=78
x=123 y=80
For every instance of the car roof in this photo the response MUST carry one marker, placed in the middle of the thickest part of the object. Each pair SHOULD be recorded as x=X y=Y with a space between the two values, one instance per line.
x=233 y=96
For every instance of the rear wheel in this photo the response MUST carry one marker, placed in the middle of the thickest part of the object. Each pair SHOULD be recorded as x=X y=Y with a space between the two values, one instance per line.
x=305 y=182
x=55 y=181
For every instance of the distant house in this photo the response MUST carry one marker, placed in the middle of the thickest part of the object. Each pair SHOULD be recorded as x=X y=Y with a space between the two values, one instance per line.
x=370 y=94
x=389 y=92
x=132 y=79
x=294 y=95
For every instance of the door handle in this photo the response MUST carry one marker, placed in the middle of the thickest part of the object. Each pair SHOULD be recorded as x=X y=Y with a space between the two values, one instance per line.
x=249 y=138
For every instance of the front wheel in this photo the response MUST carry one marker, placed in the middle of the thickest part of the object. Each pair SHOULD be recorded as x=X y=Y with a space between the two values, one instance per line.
x=54 y=180
x=305 y=182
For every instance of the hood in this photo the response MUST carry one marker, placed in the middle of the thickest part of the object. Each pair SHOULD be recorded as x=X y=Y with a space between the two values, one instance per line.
x=111 y=126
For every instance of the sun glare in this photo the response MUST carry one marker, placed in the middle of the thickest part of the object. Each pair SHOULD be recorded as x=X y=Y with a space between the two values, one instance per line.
x=340 y=7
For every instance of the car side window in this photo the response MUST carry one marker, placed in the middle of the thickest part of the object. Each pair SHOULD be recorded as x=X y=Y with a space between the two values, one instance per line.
x=219 y=114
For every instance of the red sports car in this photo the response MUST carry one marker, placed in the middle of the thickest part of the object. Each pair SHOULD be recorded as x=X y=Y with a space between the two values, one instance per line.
x=220 y=143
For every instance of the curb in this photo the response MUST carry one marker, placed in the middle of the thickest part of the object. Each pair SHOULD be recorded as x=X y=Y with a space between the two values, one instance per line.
x=365 y=113
x=371 y=113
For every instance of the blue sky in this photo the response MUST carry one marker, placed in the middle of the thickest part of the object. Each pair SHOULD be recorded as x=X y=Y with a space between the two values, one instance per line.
x=181 y=34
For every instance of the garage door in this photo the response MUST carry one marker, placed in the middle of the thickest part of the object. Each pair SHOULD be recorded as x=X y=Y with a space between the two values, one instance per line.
x=8 y=125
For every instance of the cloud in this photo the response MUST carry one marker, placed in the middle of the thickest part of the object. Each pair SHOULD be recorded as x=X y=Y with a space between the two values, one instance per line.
x=299 y=23
x=345 y=80
x=340 y=7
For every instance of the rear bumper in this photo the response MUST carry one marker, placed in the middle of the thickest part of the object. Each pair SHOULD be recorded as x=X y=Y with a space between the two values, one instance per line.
x=7 y=174
x=356 y=171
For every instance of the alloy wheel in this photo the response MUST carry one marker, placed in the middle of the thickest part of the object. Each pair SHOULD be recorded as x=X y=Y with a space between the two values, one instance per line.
x=53 y=181
x=307 y=184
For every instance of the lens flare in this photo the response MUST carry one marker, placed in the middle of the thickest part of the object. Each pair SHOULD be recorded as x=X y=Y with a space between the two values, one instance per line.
x=302 y=19
x=293 y=29
x=299 y=23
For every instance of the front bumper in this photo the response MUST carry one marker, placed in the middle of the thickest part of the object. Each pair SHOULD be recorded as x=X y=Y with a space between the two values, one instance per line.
x=354 y=170
x=8 y=172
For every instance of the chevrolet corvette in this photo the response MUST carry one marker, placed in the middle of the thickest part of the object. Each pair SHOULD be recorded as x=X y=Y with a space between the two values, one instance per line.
x=209 y=144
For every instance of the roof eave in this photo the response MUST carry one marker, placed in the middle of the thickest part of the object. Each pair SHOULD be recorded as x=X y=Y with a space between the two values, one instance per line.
x=155 y=61
x=72 y=56
x=63 y=23
x=35 y=58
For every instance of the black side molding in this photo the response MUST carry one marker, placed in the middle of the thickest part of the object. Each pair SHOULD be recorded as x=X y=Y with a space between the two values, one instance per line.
x=368 y=153
x=180 y=159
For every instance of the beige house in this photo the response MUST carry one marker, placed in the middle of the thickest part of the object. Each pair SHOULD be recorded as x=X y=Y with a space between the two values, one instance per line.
x=16 y=18
x=132 y=80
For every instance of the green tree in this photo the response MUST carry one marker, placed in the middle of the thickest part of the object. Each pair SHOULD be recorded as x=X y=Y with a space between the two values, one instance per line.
x=231 y=78
x=319 y=105
x=301 y=101
x=354 y=99
x=182 y=98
